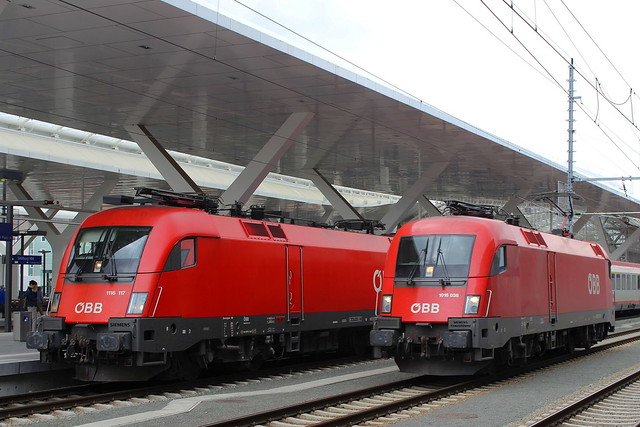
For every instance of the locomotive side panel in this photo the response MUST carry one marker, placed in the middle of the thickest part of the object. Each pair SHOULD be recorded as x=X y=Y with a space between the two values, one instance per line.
x=522 y=289
x=229 y=277
x=583 y=284
x=340 y=280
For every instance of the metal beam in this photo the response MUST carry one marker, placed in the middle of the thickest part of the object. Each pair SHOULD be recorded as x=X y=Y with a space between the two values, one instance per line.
x=619 y=178
x=629 y=241
x=428 y=206
x=512 y=207
x=602 y=234
x=581 y=222
x=252 y=176
x=175 y=176
x=36 y=212
x=408 y=200
x=336 y=200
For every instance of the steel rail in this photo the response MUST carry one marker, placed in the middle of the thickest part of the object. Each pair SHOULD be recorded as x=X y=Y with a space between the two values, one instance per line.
x=578 y=406
x=372 y=413
x=32 y=403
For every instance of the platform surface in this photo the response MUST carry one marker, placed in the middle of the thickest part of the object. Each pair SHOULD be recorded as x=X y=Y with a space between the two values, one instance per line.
x=16 y=358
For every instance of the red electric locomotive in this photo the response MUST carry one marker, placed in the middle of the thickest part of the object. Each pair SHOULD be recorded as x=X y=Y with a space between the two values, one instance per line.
x=148 y=289
x=461 y=294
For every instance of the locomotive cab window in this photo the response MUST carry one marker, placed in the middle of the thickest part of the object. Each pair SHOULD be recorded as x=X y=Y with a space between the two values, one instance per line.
x=499 y=264
x=183 y=255
x=109 y=252
x=432 y=259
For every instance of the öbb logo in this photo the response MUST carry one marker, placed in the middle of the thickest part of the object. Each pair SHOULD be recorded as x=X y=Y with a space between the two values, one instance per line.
x=88 y=307
x=593 y=284
x=425 y=307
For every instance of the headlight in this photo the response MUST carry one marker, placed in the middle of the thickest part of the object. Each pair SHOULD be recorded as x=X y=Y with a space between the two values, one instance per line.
x=55 y=302
x=136 y=303
x=472 y=304
x=386 y=303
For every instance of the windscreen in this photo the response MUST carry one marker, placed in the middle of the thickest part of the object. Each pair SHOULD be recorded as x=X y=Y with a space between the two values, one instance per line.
x=430 y=258
x=109 y=252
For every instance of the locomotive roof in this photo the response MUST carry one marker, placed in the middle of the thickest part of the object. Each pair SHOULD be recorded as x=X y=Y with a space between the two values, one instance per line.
x=500 y=233
x=179 y=222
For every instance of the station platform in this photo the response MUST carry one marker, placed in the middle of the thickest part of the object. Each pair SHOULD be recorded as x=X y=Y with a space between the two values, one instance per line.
x=22 y=372
x=15 y=357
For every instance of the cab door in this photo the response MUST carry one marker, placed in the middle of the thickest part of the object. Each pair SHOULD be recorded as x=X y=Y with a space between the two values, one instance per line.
x=295 y=285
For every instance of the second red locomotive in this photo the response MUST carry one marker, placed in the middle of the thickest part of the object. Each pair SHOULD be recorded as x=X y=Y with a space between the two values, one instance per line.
x=461 y=294
x=148 y=289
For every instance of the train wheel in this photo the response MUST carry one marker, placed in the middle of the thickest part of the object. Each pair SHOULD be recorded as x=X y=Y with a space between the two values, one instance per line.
x=354 y=342
x=183 y=366
x=255 y=363
x=571 y=344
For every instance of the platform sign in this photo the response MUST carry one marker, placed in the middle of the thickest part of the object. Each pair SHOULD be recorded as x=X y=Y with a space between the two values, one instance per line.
x=6 y=231
x=27 y=259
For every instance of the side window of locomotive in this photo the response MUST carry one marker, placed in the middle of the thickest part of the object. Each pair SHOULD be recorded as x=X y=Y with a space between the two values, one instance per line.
x=499 y=264
x=183 y=255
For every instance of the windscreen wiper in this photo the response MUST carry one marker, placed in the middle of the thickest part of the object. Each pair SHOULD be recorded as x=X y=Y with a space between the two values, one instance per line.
x=410 y=280
x=446 y=281
x=108 y=257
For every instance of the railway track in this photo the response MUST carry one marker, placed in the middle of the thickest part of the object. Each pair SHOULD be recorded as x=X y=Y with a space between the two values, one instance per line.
x=393 y=402
x=388 y=402
x=616 y=404
x=86 y=395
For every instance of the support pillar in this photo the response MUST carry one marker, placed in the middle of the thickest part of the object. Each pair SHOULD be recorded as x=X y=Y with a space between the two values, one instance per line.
x=243 y=187
x=581 y=222
x=175 y=176
x=336 y=200
x=512 y=207
x=399 y=210
x=602 y=234
x=428 y=206
x=630 y=241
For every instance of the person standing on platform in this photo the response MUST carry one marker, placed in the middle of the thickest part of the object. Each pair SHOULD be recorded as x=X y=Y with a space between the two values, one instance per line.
x=2 y=296
x=34 y=303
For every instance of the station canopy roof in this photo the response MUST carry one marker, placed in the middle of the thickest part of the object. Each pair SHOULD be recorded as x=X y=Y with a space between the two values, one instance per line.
x=208 y=86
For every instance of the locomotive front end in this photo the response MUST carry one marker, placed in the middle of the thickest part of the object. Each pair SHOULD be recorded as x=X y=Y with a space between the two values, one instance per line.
x=435 y=300
x=99 y=281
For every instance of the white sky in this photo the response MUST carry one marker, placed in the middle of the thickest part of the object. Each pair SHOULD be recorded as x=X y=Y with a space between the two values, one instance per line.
x=441 y=54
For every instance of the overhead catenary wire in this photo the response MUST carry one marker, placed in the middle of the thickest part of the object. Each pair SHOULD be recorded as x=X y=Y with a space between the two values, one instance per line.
x=537 y=30
x=566 y=33
x=594 y=42
x=546 y=76
x=292 y=31
x=557 y=51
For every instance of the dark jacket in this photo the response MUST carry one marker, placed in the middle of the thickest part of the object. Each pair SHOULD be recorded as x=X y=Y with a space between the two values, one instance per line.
x=33 y=298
